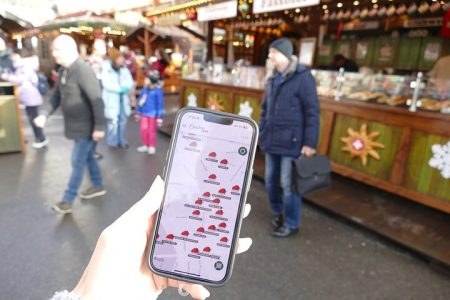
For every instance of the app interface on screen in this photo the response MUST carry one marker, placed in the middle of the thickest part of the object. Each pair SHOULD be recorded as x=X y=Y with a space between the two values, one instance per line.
x=204 y=189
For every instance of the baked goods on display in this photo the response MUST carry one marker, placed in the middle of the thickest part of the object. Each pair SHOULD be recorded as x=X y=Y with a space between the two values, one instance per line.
x=396 y=100
x=429 y=104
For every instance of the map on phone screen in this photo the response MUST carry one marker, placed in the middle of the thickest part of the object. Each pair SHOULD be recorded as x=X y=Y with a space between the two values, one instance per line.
x=201 y=205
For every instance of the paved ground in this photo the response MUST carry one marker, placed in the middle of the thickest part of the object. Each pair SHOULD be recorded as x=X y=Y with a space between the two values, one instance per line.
x=41 y=252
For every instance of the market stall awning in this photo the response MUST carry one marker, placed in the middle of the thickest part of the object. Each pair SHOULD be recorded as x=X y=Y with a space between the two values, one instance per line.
x=11 y=23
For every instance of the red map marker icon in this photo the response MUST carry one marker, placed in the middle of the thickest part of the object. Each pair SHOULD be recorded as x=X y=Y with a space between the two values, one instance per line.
x=236 y=188
x=224 y=239
x=199 y=202
x=200 y=229
x=212 y=227
x=195 y=250
x=216 y=201
x=212 y=176
x=206 y=194
x=219 y=212
x=196 y=212
x=169 y=236
x=207 y=249
x=212 y=154
x=185 y=233
x=222 y=191
x=224 y=162
x=193 y=144
x=223 y=225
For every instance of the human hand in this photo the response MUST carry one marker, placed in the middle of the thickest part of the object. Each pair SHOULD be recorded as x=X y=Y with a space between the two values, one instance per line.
x=4 y=76
x=137 y=117
x=40 y=121
x=98 y=135
x=159 y=122
x=118 y=267
x=308 y=151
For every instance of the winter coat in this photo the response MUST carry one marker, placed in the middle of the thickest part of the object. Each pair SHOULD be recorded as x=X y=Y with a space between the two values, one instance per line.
x=112 y=83
x=78 y=94
x=290 y=113
x=151 y=102
x=26 y=78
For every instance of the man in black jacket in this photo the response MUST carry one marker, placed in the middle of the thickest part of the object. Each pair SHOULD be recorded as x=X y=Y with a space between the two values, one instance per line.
x=78 y=94
x=289 y=126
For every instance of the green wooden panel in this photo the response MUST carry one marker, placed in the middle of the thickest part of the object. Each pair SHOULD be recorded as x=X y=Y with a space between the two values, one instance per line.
x=325 y=53
x=385 y=53
x=430 y=51
x=192 y=97
x=389 y=137
x=9 y=125
x=419 y=175
x=218 y=101
x=364 y=52
x=408 y=53
x=248 y=106
x=344 y=48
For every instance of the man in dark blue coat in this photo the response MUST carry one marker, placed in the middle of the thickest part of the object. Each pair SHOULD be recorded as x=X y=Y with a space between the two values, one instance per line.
x=289 y=127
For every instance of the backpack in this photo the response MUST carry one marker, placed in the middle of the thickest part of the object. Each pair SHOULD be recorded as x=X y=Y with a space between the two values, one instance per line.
x=42 y=84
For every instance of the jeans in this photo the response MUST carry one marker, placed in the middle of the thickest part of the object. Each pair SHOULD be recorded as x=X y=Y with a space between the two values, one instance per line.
x=282 y=198
x=82 y=156
x=116 y=129
x=32 y=113
x=148 y=131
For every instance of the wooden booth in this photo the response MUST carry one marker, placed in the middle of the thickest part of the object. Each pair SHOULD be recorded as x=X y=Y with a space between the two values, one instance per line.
x=385 y=146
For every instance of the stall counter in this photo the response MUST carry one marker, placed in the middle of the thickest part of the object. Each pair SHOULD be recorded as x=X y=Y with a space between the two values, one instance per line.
x=399 y=151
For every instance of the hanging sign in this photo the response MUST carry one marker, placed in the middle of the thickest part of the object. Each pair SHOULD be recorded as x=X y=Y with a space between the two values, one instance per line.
x=353 y=26
x=218 y=11
x=262 y=6
x=423 y=22
x=169 y=20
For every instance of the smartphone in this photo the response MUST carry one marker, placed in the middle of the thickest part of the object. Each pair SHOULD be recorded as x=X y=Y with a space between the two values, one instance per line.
x=207 y=177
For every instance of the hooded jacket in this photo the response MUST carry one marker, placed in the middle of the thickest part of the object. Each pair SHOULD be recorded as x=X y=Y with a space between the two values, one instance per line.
x=290 y=112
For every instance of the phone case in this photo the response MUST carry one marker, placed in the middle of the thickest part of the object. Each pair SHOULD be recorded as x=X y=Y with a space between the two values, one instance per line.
x=249 y=172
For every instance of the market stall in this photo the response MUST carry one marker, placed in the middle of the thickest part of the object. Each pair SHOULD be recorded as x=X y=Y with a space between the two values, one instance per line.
x=367 y=128
x=11 y=135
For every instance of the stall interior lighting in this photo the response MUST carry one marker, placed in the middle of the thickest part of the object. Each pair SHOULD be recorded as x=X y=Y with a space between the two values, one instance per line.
x=374 y=1
x=297 y=10
x=356 y=3
x=176 y=7
x=324 y=6
x=340 y=4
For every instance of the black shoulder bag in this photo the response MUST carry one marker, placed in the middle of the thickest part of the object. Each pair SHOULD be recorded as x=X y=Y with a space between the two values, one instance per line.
x=312 y=173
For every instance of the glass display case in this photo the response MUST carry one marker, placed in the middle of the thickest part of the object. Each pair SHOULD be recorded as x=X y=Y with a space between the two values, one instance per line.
x=326 y=82
x=393 y=90
x=435 y=96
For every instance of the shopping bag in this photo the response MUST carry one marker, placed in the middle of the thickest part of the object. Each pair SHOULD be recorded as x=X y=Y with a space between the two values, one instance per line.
x=312 y=173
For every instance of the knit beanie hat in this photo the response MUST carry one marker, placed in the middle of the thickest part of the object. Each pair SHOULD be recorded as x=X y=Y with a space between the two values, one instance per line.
x=153 y=76
x=113 y=53
x=284 y=46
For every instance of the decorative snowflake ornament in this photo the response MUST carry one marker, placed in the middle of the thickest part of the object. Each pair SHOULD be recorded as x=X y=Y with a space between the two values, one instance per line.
x=441 y=159
x=192 y=100
x=245 y=109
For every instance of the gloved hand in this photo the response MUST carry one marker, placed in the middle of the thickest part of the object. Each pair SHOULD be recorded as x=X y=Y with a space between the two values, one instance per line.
x=124 y=90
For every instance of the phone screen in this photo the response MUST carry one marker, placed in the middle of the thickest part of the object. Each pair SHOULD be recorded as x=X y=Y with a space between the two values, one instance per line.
x=206 y=185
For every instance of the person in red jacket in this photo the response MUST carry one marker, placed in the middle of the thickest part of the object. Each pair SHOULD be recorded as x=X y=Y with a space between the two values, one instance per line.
x=160 y=64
